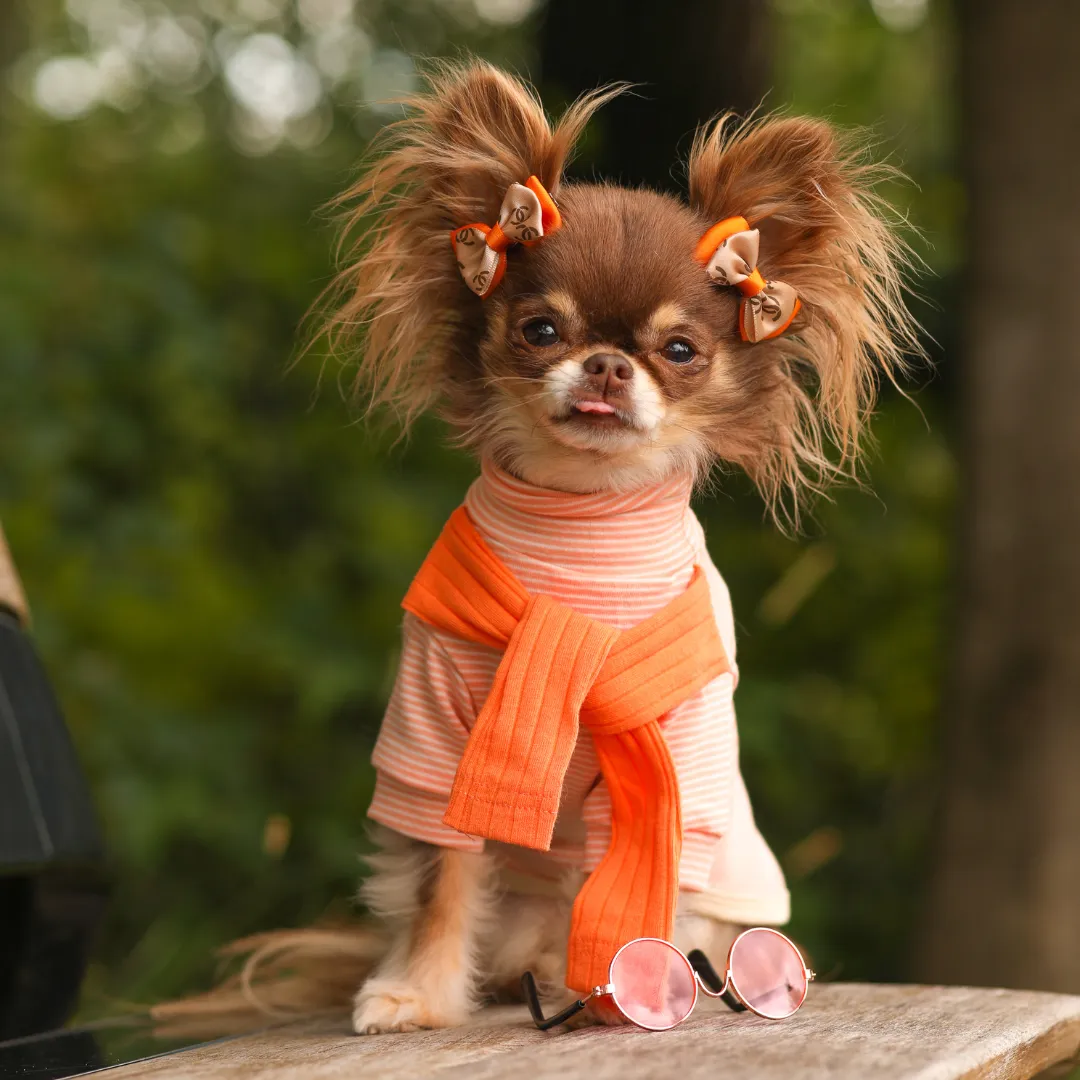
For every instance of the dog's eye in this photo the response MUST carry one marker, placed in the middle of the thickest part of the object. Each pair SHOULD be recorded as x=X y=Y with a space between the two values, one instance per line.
x=678 y=352
x=540 y=332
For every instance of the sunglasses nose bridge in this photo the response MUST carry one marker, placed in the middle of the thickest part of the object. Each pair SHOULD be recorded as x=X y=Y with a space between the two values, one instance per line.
x=704 y=987
x=705 y=974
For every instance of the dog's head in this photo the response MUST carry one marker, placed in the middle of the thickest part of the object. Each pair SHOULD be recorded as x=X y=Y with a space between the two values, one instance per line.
x=606 y=355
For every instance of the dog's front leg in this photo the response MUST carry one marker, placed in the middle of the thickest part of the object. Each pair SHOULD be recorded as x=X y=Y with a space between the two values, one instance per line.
x=436 y=901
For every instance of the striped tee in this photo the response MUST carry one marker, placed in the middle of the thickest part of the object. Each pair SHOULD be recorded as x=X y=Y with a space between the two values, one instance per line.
x=617 y=558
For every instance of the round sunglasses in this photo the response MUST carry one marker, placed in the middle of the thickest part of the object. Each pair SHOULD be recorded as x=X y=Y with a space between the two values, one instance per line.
x=654 y=985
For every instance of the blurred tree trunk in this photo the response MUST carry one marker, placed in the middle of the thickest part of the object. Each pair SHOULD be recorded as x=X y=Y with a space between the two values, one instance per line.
x=694 y=59
x=1004 y=903
x=12 y=32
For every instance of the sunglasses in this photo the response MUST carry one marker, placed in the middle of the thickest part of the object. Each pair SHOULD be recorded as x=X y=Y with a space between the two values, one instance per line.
x=655 y=986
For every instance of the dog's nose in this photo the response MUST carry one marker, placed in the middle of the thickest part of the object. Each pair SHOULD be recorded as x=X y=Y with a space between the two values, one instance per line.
x=610 y=370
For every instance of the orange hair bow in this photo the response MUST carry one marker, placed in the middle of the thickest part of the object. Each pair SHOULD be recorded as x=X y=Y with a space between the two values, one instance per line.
x=729 y=253
x=528 y=213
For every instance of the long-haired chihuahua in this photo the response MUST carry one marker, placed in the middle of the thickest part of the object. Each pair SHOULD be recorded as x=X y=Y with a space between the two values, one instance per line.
x=600 y=349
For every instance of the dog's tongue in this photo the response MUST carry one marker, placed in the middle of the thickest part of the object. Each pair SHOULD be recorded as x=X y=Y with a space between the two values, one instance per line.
x=594 y=406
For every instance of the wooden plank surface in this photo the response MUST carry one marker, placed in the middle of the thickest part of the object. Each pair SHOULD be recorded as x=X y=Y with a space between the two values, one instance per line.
x=845 y=1030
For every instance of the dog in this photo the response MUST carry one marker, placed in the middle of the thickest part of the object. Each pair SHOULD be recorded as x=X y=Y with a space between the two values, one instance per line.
x=600 y=359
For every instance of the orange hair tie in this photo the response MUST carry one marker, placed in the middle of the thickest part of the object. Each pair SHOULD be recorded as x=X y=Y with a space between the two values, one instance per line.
x=528 y=213
x=729 y=253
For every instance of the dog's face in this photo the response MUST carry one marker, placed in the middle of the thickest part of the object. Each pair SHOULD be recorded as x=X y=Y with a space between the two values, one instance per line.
x=607 y=356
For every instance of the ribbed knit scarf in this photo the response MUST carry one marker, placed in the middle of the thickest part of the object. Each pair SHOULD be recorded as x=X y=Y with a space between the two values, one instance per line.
x=559 y=669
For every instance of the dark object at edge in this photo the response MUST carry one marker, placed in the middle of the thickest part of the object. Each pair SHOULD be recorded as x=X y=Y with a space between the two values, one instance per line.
x=52 y=884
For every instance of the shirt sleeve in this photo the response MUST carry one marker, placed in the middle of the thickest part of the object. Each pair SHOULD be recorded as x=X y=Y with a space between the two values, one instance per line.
x=421 y=741
x=704 y=744
x=704 y=741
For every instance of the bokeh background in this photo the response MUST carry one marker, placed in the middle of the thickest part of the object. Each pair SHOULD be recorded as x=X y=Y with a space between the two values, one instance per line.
x=215 y=542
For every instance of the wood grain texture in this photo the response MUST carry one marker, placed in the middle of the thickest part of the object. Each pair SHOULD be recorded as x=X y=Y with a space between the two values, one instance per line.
x=844 y=1031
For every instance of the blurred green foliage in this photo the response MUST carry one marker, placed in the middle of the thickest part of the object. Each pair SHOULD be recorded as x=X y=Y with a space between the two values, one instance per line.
x=215 y=547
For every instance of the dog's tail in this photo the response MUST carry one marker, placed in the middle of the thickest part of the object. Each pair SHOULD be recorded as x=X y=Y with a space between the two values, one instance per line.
x=284 y=974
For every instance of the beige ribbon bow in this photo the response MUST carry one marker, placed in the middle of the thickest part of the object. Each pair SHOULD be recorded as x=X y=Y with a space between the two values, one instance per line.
x=528 y=213
x=729 y=253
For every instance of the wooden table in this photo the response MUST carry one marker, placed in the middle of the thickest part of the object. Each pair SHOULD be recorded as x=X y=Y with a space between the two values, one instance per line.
x=846 y=1030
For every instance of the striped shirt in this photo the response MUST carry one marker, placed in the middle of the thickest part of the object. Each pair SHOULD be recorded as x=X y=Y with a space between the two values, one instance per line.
x=617 y=558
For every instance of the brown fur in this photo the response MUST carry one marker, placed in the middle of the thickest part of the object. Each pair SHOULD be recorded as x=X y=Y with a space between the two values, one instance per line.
x=824 y=230
x=445 y=931
x=448 y=163
x=617 y=279
x=773 y=408
x=437 y=903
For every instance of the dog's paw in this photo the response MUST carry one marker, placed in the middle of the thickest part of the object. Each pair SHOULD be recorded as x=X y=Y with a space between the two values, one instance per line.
x=382 y=1006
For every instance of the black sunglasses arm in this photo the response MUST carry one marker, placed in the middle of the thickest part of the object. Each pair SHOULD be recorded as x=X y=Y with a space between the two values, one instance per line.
x=710 y=981
x=532 y=996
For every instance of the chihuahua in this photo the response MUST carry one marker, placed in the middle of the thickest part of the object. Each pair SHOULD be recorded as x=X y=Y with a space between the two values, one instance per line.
x=600 y=358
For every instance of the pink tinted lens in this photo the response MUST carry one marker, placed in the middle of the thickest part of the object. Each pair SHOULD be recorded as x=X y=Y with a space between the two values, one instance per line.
x=654 y=983
x=768 y=973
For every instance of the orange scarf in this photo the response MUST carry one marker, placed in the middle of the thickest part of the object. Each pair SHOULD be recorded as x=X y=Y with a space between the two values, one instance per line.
x=558 y=667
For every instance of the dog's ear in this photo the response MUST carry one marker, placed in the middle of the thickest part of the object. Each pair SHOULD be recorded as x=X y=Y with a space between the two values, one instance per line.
x=827 y=233
x=479 y=130
x=464 y=140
